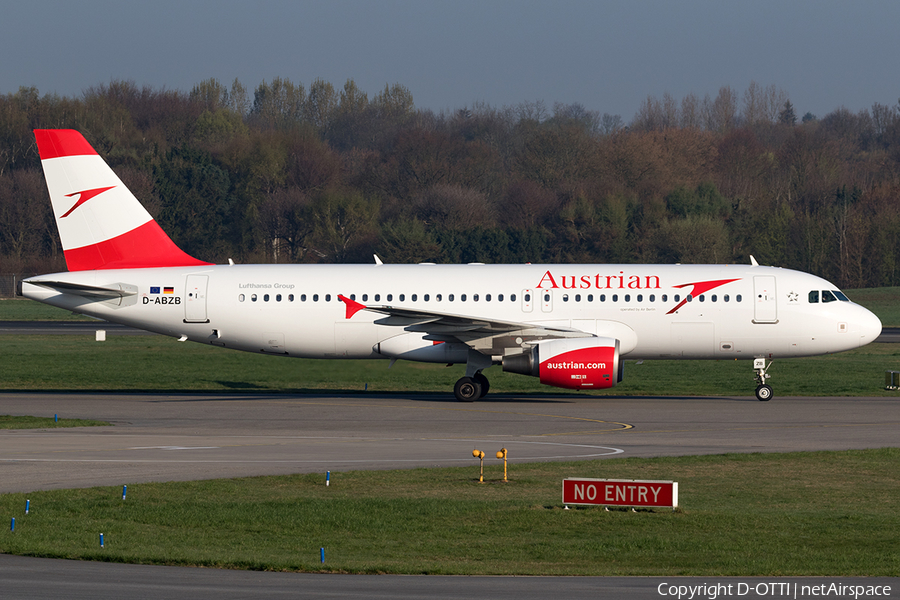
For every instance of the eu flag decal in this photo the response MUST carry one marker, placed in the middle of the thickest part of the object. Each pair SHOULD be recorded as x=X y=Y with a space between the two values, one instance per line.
x=154 y=289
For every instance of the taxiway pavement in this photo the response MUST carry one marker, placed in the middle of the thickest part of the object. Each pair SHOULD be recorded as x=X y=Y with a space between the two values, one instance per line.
x=177 y=437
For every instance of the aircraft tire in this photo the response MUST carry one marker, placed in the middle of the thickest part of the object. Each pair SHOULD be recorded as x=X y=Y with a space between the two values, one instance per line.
x=483 y=382
x=764 y=393
x=467 y=389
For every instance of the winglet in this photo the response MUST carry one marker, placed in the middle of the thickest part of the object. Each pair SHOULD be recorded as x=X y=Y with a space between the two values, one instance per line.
x=353 y=306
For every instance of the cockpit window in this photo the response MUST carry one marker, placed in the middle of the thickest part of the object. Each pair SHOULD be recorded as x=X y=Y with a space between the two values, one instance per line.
x=828 y=296
x=814 y=297
x=840 y=296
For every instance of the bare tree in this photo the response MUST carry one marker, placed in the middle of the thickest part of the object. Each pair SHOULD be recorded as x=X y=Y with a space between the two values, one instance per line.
x=720 y=114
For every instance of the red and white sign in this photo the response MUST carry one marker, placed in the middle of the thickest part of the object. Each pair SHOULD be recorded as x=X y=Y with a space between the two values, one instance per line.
x=620 y=492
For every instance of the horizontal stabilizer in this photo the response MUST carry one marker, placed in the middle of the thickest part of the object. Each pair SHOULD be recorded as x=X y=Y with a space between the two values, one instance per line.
x=119 y=290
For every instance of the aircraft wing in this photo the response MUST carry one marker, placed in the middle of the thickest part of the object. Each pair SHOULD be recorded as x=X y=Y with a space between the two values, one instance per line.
x=490 y=336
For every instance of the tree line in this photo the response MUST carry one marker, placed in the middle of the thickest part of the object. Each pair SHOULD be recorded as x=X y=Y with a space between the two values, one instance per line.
x=290 y=173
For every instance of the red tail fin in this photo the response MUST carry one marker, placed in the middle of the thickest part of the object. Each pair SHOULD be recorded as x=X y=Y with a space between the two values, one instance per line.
x=101 y=224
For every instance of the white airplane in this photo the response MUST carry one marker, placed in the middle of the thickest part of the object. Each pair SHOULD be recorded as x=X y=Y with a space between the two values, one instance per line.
x=569 y=325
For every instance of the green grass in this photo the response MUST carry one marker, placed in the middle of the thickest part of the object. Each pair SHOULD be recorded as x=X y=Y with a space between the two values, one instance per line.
x=884 y=302
x=822 y=513
x=23 y=309
x=157 y=363
x=11 y=422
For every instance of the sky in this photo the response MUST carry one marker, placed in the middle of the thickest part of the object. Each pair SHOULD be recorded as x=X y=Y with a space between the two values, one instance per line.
x=607 y=56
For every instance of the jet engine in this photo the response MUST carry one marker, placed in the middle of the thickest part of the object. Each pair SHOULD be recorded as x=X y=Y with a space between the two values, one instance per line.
x=577 y=363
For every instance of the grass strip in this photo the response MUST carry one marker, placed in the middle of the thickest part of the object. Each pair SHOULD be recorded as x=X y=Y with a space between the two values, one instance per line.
x=26 y=422
x=819 y=513
x=157 y=363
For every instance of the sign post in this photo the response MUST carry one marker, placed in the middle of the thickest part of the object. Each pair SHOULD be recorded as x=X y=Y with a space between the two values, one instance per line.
x=620 y=492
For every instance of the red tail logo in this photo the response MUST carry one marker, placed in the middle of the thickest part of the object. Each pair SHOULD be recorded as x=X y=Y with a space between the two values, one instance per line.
x=85 y=196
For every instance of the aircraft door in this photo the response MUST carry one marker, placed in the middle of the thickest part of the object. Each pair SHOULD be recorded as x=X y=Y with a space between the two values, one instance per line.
x=765 y=309
x=195 y=299
x=546 y=300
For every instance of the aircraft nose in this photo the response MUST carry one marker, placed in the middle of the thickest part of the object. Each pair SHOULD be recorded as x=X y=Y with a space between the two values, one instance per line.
x=869 y=327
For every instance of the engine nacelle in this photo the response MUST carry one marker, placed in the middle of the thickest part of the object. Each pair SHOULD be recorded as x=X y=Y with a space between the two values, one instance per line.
x=577 y=363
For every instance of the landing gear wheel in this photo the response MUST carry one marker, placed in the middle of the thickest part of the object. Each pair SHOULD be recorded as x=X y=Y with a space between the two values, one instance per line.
x=764 y=393
x=481 y=380
x=467 y=389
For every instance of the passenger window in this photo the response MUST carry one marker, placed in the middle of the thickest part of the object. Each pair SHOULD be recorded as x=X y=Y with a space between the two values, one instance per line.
x=640 y=298
x=474 y=297
x=652 y=298
x=462 y=297
x=565 y=297
x=302 y=297
x=327 y=297
x=737 y=298
x=415 y=297
x=365 y=297
x=290 y=297
x=390 y=297
x=499 y=297
x=602 y=297
x=627 y=297
x=527 y=297
x=512 y=297
x=426 y=297
x=450 y=297
x=240 y=298
x=253 y=297
x=814 y=297
x=590 y=298
x=577 y=297
x=487 y=297
x=315 y=297
x=615 y=297
x=726 y=297
x=278 y=298
x=402 y=297
x=665 y=297
x=437 y=297
x=377 y=297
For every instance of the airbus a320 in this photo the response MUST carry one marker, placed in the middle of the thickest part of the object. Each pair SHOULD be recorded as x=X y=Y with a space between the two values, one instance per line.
x=569 y=325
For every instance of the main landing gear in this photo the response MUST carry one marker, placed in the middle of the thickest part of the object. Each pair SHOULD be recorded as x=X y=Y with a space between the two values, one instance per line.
x=474 y=385
x=763 y=390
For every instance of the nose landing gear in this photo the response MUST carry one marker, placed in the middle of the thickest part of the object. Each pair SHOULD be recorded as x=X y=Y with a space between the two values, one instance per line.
x=763 y=390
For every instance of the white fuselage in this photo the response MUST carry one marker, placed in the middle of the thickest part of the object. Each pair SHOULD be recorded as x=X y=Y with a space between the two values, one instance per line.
x=655 y=311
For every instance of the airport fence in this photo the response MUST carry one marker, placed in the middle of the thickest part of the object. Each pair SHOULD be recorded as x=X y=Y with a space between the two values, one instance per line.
x=9 y=282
